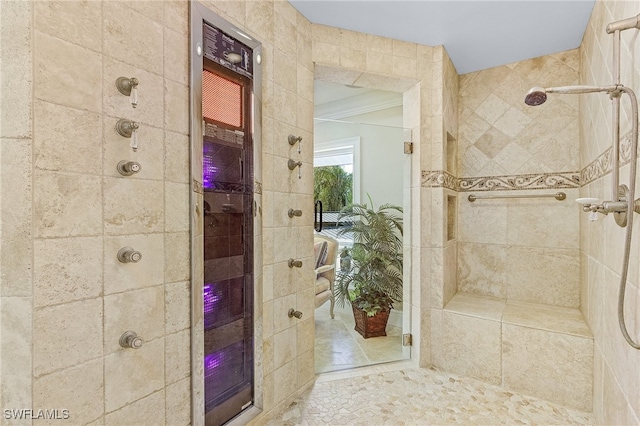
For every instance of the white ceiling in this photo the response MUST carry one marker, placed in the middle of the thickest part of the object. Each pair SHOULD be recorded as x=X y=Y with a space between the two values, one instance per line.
x=477 y=34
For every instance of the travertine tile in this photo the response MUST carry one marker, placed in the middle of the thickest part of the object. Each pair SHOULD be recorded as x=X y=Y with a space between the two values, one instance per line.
x=176 y=63
x=177 y=306
x=79 y=389
x=133 y=374
x=545 y=317
x=132 y=37
x=55 y=81
x=67 y=139
x=133 y=206
x=285 y=343
x=66 y=335
x=176 y=14
x=17 y=60
x=472 y=220
x=16 y=346
x=148 y=410
x=67 y=269
x=74 y=22
x=150 y=94
x=558 y=367
x=60 y=199
x=16 y=250
x=285 y=380
x=176 y=107
x=482 y=269
x=177 y=266
x=141 y=311
x=543 y=275
x=176 y=165
x=471 y=346
x=120 y=276
x=178 y=356
x=176 y=207
x=477 y=306
x=178 y=403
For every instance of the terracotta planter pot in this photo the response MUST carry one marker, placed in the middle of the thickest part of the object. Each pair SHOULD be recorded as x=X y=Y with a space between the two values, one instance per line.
x=374 y=326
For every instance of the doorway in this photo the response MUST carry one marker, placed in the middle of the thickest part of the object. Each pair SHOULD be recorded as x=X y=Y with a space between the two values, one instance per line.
x=372 y=157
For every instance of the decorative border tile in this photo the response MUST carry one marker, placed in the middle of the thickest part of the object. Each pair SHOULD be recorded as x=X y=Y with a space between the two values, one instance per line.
x=602 y=165
x=443 y=179
x=519 y=182
x=439 y=179
x=593 y=171
x=257 y=187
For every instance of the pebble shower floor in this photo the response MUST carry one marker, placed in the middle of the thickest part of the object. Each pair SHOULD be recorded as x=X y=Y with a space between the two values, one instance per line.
x=421 y=396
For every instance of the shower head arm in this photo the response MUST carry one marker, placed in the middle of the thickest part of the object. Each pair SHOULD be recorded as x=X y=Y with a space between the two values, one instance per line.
x=576 y=90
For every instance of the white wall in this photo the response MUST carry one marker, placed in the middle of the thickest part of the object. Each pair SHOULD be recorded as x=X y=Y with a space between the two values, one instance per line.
x=381 y=151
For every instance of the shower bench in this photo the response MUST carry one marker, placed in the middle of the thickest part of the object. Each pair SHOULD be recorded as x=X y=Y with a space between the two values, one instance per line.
x=541 y=350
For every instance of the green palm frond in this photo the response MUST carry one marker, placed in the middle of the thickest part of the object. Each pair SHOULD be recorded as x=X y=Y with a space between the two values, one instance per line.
x=375 y=279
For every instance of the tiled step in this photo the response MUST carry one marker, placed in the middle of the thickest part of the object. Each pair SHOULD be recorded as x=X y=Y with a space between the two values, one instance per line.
x=541 y=350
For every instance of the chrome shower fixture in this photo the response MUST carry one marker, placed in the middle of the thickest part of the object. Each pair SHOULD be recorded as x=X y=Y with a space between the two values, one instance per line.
x=292 y=141
x=293 y=164
x=128 y=129
x=623 y=203
x=538 y=95
x=625 y=24
x=129 y=87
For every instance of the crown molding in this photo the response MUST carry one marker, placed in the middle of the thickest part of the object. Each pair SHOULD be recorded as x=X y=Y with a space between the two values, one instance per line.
x=358 y=104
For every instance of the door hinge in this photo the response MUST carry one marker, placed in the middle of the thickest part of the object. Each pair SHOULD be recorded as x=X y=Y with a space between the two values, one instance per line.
x=407 y=339
x=408 y=147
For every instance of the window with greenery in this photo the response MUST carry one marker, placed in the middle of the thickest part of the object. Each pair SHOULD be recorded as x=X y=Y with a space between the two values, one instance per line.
x=333 y=186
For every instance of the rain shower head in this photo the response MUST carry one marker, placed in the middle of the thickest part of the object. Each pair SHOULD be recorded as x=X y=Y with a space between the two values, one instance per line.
x=538 y=95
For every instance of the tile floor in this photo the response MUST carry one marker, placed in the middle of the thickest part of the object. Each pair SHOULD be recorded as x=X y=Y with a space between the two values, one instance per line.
x=397 y=394
x=339 y=346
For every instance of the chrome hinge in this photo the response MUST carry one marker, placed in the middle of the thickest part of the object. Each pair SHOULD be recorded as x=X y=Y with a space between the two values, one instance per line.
x=407 y=339
x=408 y=147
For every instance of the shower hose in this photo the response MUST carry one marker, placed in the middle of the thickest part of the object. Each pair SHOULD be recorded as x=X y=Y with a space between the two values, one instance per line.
x=630 y=211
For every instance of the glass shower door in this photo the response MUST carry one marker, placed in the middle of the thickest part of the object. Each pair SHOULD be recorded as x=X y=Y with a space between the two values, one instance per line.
x=228 y=245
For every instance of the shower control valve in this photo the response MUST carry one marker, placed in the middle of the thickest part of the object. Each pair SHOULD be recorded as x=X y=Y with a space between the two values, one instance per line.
x=293 y=213
x=294 y=263
x=296 y=139
x=293 y=164
x=129 y=87
x=293 y=313
x=127 y=168
x=129 y=255
x=130 y=339
x=128 y=129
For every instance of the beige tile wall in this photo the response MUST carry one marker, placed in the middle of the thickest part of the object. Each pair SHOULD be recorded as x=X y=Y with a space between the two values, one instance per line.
x=499 y=135
x=616 y=388
x=71 y=211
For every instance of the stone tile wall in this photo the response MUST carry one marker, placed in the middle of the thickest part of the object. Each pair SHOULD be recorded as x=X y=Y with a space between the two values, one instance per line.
x=66 y=211
x=616 y=388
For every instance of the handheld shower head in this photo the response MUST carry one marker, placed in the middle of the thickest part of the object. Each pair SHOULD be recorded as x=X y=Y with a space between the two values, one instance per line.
x=536 y=96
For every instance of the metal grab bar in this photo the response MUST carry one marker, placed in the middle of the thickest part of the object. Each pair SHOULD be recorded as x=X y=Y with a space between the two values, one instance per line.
x=558 y=196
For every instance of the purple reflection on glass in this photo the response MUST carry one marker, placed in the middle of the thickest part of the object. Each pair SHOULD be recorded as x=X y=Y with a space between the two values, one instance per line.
x=209 y=170
x=213 y=361
x=210 y=298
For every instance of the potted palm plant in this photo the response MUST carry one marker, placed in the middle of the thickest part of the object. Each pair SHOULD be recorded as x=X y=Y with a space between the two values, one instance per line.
x=375 y=279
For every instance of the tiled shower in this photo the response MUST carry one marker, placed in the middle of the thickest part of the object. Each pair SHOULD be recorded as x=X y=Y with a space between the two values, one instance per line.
x=70 y=211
